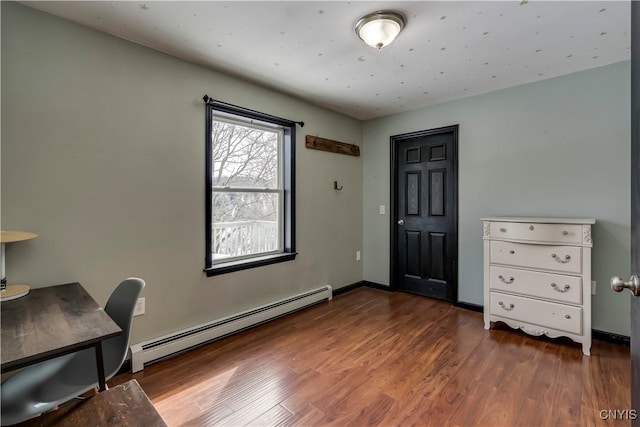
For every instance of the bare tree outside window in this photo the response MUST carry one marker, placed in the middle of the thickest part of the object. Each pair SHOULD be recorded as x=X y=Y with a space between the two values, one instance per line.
x=247 y=189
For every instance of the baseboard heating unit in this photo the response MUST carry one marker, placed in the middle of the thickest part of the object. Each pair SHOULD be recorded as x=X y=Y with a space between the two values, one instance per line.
x=177 y=342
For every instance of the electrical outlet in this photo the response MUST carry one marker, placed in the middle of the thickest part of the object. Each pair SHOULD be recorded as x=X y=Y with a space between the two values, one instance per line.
x=593 y=287
x=357 y=255
x=140 y=306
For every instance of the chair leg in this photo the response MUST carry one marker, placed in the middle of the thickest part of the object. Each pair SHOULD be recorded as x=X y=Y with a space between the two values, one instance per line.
x=93 y=392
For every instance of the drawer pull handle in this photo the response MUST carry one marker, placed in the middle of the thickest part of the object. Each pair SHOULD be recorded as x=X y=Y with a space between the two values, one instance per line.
x=531 y=227
x=567 y=316
x=557 y=288
x=566 y=259
x=512 y=252
x=565 y=233
x=503 y=230
x=511 y=279
x=501 y=304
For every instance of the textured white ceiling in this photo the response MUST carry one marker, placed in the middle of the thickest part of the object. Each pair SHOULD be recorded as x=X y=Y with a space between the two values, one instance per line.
x=448 y=50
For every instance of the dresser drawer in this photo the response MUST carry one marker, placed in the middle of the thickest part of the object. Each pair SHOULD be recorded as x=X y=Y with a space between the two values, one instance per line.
x=543 y=313
x=557 y=287
x=567 y=259
x=560 y=233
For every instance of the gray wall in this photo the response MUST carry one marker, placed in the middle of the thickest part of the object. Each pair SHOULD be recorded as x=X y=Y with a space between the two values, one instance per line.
x=558 y=147
x=102 y=156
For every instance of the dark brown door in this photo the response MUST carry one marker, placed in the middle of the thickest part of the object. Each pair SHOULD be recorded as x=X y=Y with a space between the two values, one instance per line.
x=424 y=213
x=635 y=206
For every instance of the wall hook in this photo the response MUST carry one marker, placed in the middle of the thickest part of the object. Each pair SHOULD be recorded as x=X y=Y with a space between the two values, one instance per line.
x=335 y=186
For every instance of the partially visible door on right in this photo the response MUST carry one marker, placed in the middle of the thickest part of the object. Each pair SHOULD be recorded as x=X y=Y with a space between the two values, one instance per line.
x=635 y=206
x=618 y=283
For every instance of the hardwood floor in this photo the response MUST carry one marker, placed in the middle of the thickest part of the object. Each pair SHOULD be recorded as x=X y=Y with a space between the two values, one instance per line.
x=371 y=357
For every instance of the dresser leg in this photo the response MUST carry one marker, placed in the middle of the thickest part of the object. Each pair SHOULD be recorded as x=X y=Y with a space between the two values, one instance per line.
x=487 y=324
x=586 y=349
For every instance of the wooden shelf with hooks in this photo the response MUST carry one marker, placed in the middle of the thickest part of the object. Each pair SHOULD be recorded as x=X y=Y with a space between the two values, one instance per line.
x=330 y=145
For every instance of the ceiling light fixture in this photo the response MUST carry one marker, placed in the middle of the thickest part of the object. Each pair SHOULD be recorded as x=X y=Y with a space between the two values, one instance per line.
x=379 y=29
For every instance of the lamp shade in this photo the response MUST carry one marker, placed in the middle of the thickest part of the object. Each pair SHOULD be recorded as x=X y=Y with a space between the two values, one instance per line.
x=16 y=236
x=379 y=29
x=9 y=292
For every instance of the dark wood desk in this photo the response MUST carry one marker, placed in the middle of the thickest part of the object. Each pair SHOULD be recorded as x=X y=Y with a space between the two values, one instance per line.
x=50 y=322
x=126 y=405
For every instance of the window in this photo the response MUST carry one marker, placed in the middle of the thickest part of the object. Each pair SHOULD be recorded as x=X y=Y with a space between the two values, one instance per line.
x=249 y=188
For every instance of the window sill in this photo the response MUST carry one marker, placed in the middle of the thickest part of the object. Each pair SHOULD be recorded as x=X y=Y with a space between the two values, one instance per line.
x=230 y=267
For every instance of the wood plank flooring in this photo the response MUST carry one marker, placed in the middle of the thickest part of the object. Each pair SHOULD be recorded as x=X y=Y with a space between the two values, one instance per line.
x=376 y=358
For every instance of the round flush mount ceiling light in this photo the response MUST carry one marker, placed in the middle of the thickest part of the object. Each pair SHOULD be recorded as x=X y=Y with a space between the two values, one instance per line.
x=379 y=29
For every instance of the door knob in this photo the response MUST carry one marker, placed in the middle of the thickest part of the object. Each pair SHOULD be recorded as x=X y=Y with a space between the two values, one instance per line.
x=401 y=222
x=617 y=284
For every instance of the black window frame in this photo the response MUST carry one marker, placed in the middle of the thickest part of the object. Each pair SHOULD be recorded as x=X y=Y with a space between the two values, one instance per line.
x=288 y=164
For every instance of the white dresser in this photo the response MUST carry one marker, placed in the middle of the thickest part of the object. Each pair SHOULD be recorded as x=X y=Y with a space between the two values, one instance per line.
x=537 y=276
